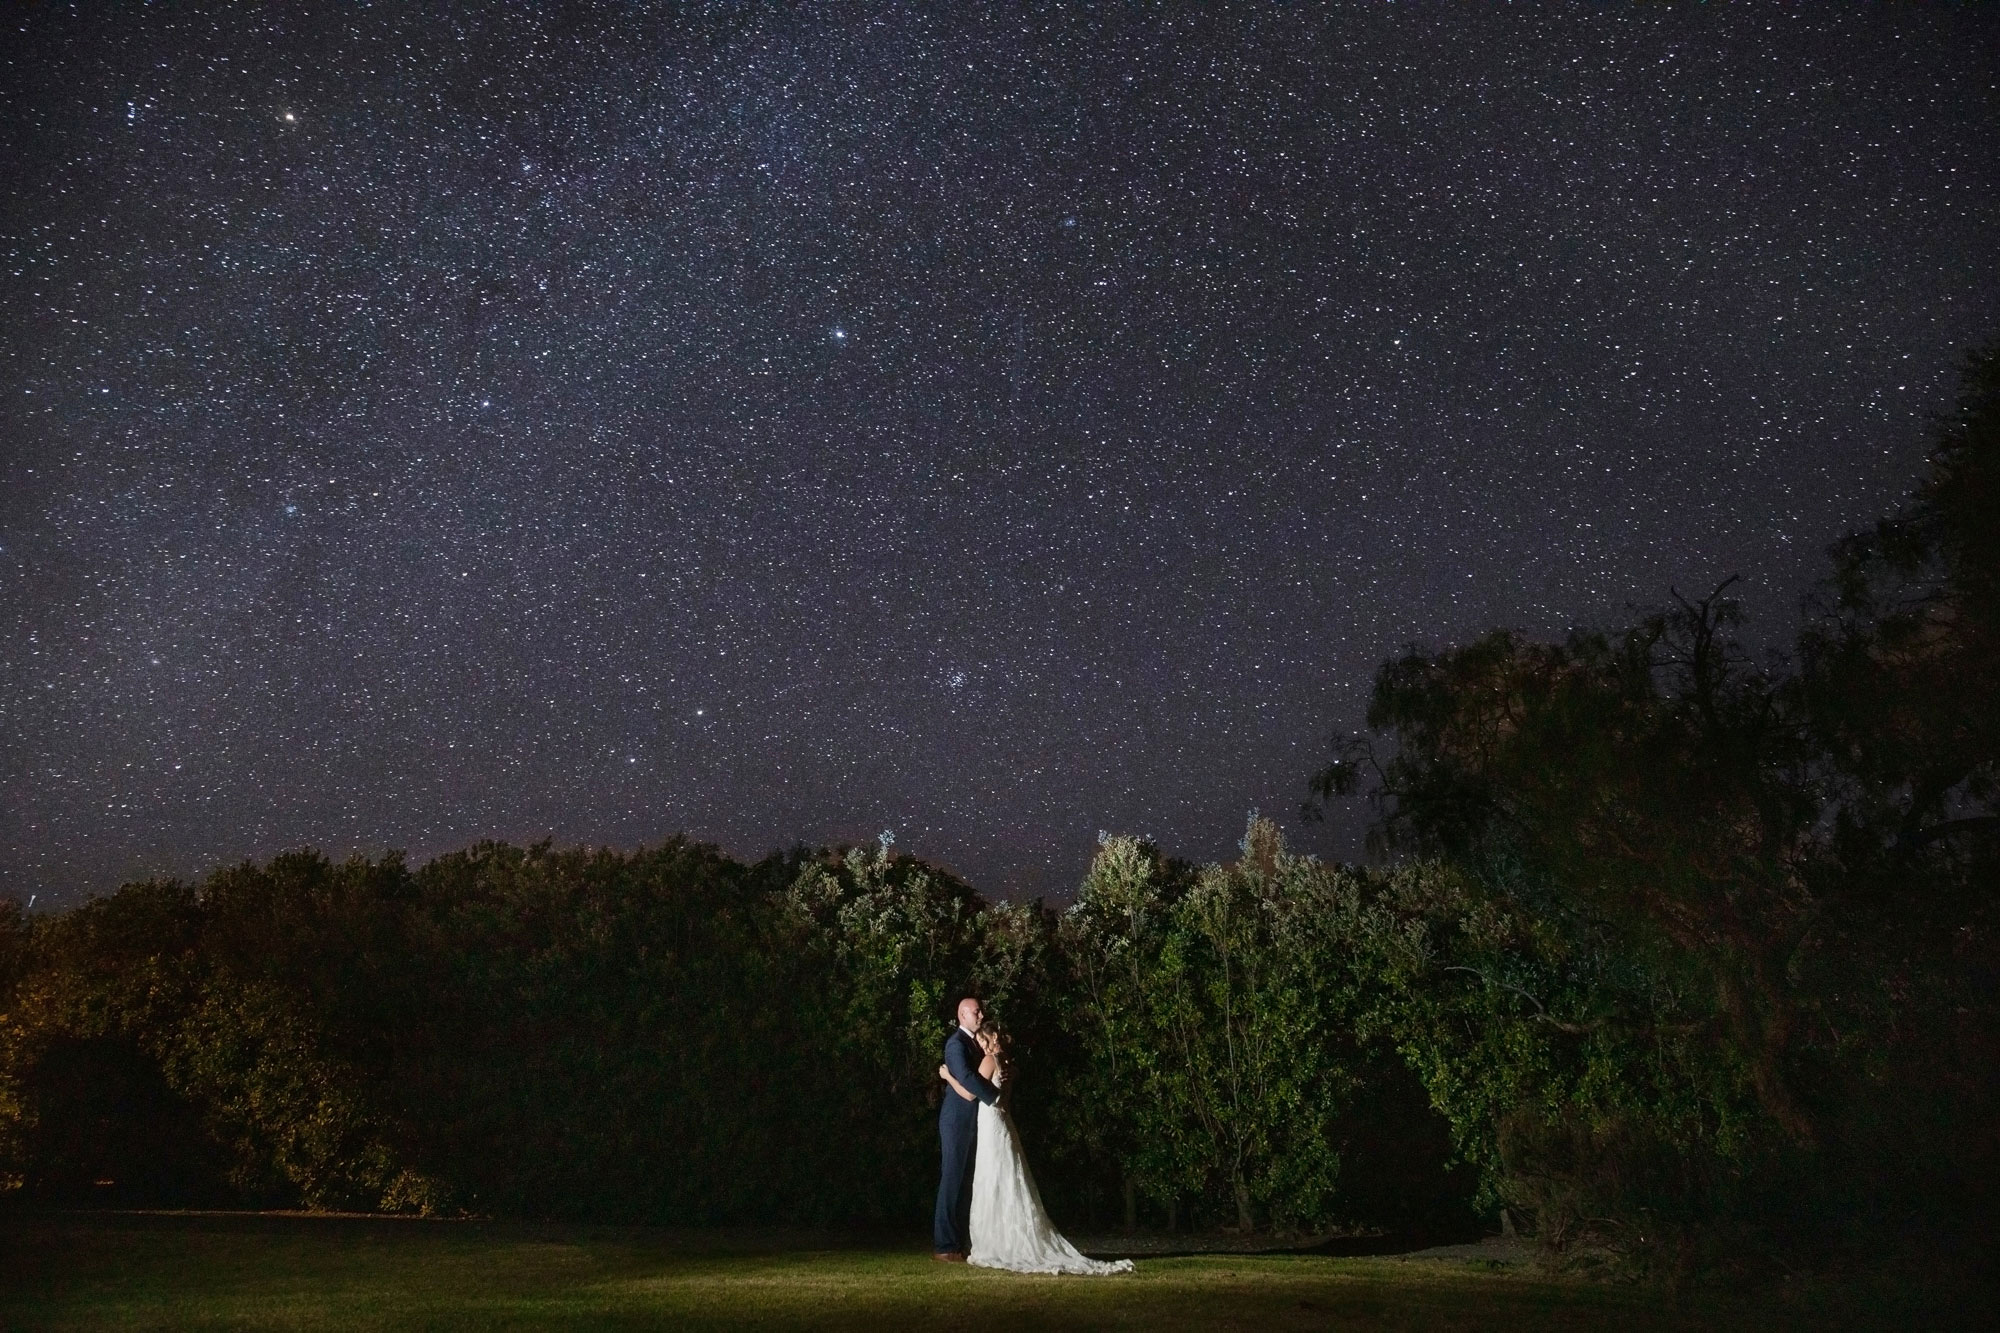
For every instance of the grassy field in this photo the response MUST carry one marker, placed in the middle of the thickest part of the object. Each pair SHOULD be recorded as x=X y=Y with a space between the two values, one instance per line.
x=131 y=1271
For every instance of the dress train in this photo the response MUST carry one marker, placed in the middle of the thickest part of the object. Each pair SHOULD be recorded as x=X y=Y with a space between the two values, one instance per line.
x=1010 y=1228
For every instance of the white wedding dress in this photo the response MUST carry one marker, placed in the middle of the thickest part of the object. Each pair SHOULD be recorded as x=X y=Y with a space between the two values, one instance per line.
x=1010 y=1228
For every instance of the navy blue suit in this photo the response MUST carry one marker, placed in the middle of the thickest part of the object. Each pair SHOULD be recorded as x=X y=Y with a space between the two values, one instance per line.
x=958 y=1131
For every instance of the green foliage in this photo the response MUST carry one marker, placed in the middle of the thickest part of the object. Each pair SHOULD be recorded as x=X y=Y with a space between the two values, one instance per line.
x=1248 y=1067
x=596 y=1034
x=670 y=1035
x=1558 y=1059
x=888 y=945
x=1110 y=941
x=1234 y=1051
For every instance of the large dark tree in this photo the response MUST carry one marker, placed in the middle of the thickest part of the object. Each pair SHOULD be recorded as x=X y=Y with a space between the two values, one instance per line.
x=1810 y=844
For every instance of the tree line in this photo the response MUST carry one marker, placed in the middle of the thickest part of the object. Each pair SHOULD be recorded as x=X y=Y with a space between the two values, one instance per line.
x=674 y=1035
x=1676 y=955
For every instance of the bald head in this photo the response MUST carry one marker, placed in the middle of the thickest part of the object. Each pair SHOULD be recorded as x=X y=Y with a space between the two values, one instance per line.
x=970 y=1015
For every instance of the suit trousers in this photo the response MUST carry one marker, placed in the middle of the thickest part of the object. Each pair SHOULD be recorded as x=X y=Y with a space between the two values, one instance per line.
x=958 y=1133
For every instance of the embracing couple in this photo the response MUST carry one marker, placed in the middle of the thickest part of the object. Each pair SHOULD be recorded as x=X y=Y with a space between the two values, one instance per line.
x=989 y=1212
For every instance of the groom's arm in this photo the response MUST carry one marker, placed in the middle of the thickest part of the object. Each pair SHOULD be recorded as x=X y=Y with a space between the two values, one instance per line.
x=967 y=1073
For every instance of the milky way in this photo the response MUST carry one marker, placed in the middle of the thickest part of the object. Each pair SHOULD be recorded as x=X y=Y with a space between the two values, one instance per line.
x=788 y=424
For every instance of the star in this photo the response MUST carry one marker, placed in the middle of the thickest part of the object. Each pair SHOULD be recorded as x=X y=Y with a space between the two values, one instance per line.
x=1350 y=356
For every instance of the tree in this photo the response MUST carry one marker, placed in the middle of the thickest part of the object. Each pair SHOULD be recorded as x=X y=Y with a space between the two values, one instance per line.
x=1801 y=855
x=1659 y=783
x=1110 y=941
x=1213 y=1016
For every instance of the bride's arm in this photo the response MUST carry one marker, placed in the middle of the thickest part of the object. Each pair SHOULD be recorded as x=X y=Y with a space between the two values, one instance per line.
x=944 y=1072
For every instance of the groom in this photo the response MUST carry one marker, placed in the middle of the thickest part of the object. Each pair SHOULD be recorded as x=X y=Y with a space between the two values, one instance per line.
x=958 y=1129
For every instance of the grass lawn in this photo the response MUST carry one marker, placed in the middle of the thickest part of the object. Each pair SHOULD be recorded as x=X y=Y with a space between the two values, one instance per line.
x=127 y=1271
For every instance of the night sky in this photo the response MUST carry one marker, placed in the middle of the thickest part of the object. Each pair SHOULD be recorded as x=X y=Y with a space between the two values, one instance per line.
x=595 y=423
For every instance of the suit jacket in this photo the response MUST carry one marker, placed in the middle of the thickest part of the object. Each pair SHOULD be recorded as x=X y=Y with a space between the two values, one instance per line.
x=962 y=1056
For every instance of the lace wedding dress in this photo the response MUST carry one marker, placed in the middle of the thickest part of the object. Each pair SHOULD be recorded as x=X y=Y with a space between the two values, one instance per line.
x=1010 y=1228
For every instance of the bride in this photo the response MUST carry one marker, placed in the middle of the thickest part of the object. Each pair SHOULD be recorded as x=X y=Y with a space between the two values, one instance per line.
x=1010 y=1228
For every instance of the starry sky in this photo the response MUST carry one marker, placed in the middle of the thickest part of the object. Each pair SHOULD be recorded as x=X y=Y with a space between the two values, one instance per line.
x=426 y=423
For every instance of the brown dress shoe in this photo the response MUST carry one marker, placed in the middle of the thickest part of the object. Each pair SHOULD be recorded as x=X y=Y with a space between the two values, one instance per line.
x=949 y=1257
